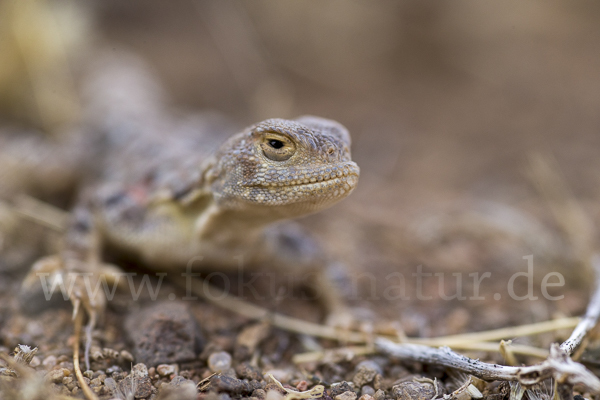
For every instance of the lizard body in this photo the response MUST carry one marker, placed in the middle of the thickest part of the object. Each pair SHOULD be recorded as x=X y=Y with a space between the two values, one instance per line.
x=160 y=190
x=226 y=201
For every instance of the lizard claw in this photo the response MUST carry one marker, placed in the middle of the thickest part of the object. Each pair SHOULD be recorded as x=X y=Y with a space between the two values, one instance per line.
x=49 y=284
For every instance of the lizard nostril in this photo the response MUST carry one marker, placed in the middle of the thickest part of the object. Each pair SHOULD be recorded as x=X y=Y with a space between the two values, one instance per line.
x=330 y=150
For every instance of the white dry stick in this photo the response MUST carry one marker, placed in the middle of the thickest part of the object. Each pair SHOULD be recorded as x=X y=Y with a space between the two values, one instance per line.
x=558 y=365
x=590 y=320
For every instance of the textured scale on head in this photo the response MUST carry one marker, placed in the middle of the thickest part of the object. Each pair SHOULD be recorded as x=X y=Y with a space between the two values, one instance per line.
x=287 y=167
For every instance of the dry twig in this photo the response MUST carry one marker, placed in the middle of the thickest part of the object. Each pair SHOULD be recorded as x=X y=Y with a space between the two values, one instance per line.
x=557 y=366
x=590 y=320
x=342 y=353
x=84 y=386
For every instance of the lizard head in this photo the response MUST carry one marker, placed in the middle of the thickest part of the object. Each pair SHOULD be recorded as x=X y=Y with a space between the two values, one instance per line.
x=285 y=168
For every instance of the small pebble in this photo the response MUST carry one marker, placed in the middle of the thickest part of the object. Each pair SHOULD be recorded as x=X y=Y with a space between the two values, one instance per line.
x=62 y=358
x=163 y=333
x=219 y=361
x=273 y=395
x=96 y=382
x=349 y=395
x=113 y=369
x=57 y=375
x=415 y=391
x=187 y=374
x=99 y=373
x=89 y=374
x=247 y=371
x=366 y=397
x=178 y=380
x=367 y=390
x=379 y=395
x=302 y=386
x=341 y=387
x=66 y=365
x=35 y=362
x=227 y=384
x=110 y=384
x=369 y=364
x=99 y=390
x=143 y=387
x=49 y=362
x=139 y=371
x=379 y=383
x=165 y=369
x=69 y=382
x=366 y=372
x=229 y=372
x=186 y=390
x=280 y=374
x=119 y=375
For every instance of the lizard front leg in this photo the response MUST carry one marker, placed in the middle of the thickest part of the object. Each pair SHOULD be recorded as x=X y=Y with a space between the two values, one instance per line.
x=76 y=274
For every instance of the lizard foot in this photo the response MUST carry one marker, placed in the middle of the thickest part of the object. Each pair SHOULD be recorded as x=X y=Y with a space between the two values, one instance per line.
x=49 y=284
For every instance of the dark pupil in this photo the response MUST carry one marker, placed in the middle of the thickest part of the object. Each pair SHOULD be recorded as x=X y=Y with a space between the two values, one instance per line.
x=276 y=144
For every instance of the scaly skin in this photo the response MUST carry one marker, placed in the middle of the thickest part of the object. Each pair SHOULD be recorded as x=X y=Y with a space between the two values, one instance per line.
x=163 y=196
x=224 y=206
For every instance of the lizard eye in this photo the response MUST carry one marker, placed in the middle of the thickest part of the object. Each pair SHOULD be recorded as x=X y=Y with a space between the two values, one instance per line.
x=277 y=147
x=276 y=144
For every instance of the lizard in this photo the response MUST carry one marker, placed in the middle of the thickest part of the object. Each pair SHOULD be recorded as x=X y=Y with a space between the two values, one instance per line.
x=162 y=194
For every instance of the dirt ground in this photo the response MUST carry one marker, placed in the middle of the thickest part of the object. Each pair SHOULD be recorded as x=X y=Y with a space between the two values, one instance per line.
x=453 y=107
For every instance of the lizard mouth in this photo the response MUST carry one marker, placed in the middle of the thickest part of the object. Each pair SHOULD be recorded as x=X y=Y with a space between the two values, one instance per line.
x=345 y=174
x=344 y=183
x=324 y=191
x=316 y=187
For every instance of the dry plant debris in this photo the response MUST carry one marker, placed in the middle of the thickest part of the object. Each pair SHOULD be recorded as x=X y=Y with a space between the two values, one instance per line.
x=557 y=364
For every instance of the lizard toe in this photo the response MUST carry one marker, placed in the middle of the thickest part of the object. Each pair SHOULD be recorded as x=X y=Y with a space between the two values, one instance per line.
x=50 y=285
